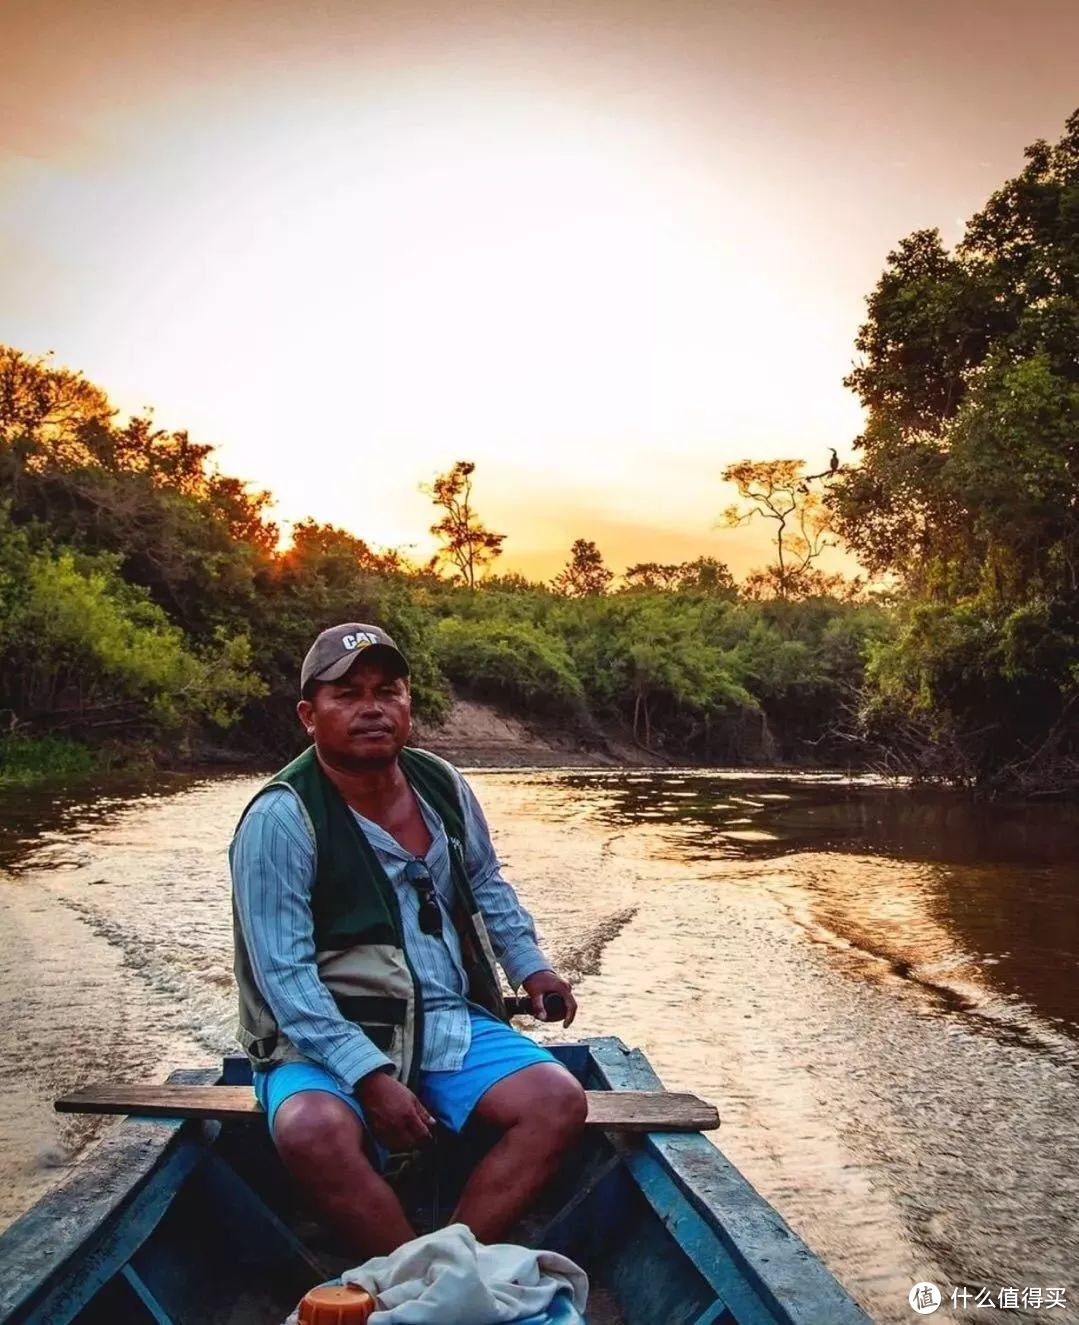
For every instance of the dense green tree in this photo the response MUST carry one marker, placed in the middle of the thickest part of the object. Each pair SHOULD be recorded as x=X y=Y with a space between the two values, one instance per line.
x=41 y=401
x=194 y=538
x=968 y=487
x=86 y=652
x=147 y=596
x=511 y=661
x=512 y=583
x=969 y=375
x=652 y=575
x=704 y=575
x=650 y=660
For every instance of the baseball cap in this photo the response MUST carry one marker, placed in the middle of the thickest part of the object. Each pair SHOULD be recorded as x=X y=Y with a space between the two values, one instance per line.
x=337 y=648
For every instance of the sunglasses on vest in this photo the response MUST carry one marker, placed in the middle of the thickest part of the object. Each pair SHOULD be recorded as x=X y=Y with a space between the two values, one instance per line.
x=419 y=876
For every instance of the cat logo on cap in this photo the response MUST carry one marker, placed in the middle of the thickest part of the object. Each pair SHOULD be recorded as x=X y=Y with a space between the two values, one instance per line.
x=360 y=640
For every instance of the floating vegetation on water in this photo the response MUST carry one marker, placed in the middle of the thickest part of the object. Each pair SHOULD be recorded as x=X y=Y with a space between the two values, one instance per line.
x=29 y=761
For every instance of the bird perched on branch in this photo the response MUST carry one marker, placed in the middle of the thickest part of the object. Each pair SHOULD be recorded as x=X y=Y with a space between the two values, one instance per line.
x=833 y=466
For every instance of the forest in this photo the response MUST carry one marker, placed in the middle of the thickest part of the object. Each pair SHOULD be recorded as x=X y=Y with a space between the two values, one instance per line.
x=149 y=608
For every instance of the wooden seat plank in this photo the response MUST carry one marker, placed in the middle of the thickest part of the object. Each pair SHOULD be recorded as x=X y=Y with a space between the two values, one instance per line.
x=610 y=1110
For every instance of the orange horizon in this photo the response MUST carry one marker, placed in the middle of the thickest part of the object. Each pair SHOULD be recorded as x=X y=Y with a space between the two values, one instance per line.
x=602 y=251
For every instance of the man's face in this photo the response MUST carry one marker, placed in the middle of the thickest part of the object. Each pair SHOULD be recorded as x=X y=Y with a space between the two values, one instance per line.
x=360 y=721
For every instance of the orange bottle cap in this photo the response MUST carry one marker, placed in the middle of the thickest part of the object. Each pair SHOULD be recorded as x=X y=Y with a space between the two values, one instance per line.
x=336 y=1304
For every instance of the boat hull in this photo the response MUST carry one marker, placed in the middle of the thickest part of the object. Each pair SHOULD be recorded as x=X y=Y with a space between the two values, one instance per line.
x=172 y=1222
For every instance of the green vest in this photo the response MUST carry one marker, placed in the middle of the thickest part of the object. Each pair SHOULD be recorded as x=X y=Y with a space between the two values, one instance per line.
x=359 y=947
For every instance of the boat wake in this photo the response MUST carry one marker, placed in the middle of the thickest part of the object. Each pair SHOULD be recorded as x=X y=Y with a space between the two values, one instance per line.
x=194 y=997
x=582 y=958
x=1006 y=1019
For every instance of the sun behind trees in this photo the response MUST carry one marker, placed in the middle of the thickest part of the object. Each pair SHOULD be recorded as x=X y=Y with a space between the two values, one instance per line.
x=144 y=597
x=148 y=609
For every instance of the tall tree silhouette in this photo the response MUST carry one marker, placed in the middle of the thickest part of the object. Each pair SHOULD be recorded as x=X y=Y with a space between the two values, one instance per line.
x=466 y=543
x=584 y=574
x=778 y=490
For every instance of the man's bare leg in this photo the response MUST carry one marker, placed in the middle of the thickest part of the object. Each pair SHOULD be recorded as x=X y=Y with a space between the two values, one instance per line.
x=541 y=1111
x=320 y=1140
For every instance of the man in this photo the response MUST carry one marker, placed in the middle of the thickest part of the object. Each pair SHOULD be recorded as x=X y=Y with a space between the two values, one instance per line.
x=369 y=910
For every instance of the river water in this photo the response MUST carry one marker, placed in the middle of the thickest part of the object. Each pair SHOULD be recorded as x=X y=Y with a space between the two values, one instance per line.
x=878 y=989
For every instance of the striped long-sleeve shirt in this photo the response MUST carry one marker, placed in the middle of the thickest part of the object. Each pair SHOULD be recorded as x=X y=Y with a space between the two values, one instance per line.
x=272 y=858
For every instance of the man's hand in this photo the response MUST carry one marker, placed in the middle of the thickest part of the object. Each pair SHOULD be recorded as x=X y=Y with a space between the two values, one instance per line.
x=547 y=982
x=395 y=1116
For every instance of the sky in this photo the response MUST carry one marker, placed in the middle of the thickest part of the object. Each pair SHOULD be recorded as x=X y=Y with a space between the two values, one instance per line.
x=602 y=249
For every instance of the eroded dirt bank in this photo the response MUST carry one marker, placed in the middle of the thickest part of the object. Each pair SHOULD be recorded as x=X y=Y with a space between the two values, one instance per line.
x=480 y=736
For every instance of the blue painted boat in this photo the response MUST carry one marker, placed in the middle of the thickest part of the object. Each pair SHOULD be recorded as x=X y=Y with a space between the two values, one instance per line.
x=180 y=1222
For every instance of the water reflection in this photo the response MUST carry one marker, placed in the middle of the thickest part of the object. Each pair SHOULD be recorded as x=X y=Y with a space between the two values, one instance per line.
x=43 y=828
x=878 y=988
x=830 y=812
x=996 y=906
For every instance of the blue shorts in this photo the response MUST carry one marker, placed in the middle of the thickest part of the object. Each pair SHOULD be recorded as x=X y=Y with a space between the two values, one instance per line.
x=496 y=1052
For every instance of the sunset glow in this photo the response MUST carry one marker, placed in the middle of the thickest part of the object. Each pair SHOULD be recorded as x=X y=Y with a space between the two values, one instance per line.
x=351 y=261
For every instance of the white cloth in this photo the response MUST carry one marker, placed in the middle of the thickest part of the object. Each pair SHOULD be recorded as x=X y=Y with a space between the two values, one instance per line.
x=448 y=1278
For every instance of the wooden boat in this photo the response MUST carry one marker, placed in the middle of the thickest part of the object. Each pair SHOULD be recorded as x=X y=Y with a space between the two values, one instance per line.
x=189 y=1221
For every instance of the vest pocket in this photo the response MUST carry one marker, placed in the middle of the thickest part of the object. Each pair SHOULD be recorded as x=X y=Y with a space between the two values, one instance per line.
x=378 y=1017
x=382 y=1037
x=259 y=1050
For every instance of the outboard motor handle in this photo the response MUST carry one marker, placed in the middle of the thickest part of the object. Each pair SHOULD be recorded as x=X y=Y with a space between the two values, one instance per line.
x=554 y=1007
